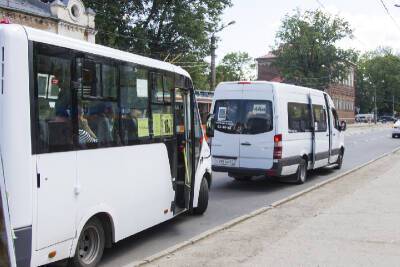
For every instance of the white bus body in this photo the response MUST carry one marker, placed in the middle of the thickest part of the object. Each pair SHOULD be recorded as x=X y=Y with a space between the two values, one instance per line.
x=264 y=128
x=84 y=136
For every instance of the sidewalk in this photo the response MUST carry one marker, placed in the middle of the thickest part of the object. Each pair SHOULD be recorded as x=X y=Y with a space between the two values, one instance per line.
x=354 y=221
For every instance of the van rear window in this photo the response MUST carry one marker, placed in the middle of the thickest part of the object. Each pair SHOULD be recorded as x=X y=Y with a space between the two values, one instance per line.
x=243 y=116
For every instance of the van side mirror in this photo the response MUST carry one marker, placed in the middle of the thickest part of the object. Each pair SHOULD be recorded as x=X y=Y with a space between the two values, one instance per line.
x=210 y=125
x=343 y=126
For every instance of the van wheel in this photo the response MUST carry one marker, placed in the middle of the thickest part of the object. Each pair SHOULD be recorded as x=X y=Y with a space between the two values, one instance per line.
x=203 y=198
x=90 y=247
x=301 y=174
x=339 y=161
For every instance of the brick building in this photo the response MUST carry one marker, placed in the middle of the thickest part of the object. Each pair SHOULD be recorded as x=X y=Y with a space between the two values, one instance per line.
x=342 y=93
x=64 y=17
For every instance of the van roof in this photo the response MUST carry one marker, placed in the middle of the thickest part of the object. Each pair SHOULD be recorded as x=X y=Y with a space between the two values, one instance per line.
x=277 y=85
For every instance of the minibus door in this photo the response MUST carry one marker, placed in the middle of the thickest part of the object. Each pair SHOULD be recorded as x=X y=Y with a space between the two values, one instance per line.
x=183 y=182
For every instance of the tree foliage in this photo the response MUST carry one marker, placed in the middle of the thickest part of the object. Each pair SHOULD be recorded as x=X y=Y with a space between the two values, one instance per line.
x=378 y=71
x=171 y=30
x=307 y=51
x=236 y=66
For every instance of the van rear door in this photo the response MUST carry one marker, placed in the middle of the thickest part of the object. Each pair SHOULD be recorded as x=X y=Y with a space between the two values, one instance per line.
x=225 y=144
x=256 y=140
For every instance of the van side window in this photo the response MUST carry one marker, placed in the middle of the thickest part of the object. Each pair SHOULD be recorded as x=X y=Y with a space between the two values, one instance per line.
x=299 y=118
x=335 y=119
x=320 y=118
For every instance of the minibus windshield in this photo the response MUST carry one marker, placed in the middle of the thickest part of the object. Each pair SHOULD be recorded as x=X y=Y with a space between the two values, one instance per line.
x=243 y=116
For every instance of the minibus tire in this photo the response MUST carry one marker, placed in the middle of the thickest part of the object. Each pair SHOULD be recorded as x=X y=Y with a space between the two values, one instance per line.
x=202 y=204
x=93 y=229
x=339 y=161
x=301 y=174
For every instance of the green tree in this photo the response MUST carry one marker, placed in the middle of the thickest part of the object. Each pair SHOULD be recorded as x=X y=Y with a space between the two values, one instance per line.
x=378 y=72
x=170 y=30
x=307 y=51
x=236 y=66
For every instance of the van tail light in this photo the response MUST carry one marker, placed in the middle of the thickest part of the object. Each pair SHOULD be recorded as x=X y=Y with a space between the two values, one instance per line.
x=278 y=146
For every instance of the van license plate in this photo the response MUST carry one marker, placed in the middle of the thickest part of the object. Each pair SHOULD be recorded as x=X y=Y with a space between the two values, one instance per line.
x=226 y=162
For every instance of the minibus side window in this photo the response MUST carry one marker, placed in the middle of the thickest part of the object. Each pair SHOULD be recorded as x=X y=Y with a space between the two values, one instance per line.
x=53 y=100
x=299 y=118
x=162 y=119
x=134 y=104
x=98 y=111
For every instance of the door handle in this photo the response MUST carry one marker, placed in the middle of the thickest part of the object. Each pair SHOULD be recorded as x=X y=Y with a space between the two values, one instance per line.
x=246 y=144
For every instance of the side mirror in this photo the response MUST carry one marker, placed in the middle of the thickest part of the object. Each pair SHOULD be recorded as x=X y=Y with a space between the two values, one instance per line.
x=343 y=126
x=210 y=125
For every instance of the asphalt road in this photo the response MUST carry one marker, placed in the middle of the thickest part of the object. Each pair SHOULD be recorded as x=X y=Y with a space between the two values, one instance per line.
x=230 y=199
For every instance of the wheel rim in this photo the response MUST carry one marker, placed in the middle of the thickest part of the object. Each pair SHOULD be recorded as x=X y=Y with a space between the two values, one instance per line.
x=89 y=245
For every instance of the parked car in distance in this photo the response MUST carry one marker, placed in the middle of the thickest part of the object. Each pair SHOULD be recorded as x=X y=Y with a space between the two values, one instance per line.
x=273 y=129
x=385 y=119
x=364 y=117
x=396 y=129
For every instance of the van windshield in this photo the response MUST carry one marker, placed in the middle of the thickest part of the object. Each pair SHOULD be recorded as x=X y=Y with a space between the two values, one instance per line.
x=243 y=116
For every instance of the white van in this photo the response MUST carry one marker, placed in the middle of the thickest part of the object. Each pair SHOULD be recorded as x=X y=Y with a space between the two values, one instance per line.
x=273 y=129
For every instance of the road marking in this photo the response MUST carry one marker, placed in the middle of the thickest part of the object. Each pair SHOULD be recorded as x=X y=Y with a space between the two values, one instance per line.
x=245 y=217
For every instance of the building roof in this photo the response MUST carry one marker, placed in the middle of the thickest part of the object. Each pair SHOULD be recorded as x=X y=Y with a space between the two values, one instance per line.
x=33 y=7
x=270 y=55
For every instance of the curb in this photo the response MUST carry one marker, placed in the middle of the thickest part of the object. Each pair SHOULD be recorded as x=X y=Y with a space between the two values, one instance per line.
x=245 y=217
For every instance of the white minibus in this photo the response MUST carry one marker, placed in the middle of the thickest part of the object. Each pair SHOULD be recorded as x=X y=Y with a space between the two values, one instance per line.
x=273 y=129
x=94 y=147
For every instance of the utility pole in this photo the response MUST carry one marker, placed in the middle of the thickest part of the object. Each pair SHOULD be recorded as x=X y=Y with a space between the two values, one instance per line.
x=213 y=47
x=213 y=69
x=393 y=105
x=376 y=108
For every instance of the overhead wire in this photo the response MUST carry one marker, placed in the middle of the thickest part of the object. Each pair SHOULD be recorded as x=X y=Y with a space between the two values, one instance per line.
x=389 y=14
x=354 y=36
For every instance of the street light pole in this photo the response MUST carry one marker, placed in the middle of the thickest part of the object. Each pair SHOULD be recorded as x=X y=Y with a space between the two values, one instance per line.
x=213 y=47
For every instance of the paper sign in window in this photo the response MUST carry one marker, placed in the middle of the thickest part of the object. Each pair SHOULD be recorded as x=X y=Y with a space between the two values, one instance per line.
x=259 y=109
x=222 y=114
x=142 y=88
x=143 y=127
x=156 y=124
x=167 y=124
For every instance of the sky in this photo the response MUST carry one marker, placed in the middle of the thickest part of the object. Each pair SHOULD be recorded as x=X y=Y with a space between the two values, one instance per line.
x=257 y=21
